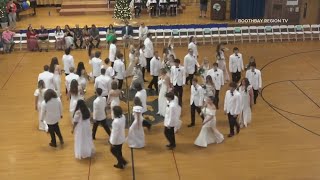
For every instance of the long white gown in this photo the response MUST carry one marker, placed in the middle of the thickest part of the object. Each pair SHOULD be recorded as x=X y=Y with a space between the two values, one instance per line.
x=223 y=66
x=40 y=94
x=209 y=133
x=114 y=101
x=131 y=64
x=162 y=101
x=83 y=143
x=136 y=132
x=83 y=82
x=73 y=102
x=57 y=81
x=245 y=116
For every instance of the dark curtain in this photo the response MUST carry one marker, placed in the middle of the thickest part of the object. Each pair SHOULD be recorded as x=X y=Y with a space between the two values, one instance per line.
x=247 y=9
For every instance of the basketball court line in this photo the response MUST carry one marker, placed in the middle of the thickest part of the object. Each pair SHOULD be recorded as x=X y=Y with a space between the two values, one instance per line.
x=305 y=94
x=15 y=67
x=175 y=162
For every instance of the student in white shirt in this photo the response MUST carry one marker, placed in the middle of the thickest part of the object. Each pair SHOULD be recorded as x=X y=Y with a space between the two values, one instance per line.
x=178 y=79
x=171 y=120
x=71 y=77
x=155 y=66
x=68 y=61
x=96 y=63
x=190 y=64
x=236 y=65
x=112 y=51
x=152 y=6
x=143 y=32
x=99 y=113
x=142 y=60
x=47 y=78
x=218 y=80
x=254 y=77
x=117 y=137
x=120 y=70
x=51 y=113
x=103 y=82
x=108 y=68
x=148 y=51
x=196 y=100
x=192 y=45
x=232 y=107
x=39 y=97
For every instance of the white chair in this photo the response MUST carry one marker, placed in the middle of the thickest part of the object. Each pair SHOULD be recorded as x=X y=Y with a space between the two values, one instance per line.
x=269 y=33
x=119 y=36
x=135 y=34
x=183 y=35
x=152 y=32
x=207 y=35
x=245 y=33
x=299 y=32
x=17 y=40
x=215 y=35
x=284 y=32
x=292 y=32
x=176 y=34
x=307 y=31
x=276 y=33
x=191 y=32
x=159 y=35
x=223 y=34
x=167 y=33
x=230 y=34
x=237 y=34
x=315 y=28
x=198 y=33
x=262 y=35
x=102 y=35
x=23 y=39
x=253 y=31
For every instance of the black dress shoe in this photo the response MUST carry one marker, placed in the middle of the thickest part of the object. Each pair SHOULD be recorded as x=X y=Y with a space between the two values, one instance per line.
x=230 y=135
x=190 y=125
x=118 y=166
x=52 y=145
x=238 y=129
x=172 y=147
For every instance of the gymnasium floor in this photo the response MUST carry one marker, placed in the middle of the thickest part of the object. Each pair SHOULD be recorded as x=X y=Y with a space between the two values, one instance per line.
x=281 y=143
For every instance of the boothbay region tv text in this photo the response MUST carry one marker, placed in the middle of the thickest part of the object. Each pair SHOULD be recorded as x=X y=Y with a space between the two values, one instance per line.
x=262 y=20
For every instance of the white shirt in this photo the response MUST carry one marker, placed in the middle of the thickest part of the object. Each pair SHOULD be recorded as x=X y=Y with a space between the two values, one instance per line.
x=178 y=76
x=217 y=78
x=117 y=135
x=232 y=103
x=96 y=66
x=143 y=97
x=142 y=59
x=112 y=52
x=110 y=71
x=190 y=64
x=51 y=111
x=143 y=31
x=99 y=108
x=119 y=68
x=148 y=51
x=103 y=82
x=69 y=78
x=236 y=63
x=68 y=62
x=47 y=78
x=197 y=95
x=254 y=78
x=40 y=94
x=194 y=47
x=155 y=66
x=171 y=117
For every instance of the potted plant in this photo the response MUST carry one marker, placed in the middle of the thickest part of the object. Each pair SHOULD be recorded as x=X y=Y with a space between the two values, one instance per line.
x=3 y=14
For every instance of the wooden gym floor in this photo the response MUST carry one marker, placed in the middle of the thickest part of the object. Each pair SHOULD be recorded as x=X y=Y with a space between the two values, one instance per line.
x=282 y=143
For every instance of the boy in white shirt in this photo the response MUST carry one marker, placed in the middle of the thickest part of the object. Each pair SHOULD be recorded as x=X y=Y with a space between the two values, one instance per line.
x=232 y=107
x=67 y=61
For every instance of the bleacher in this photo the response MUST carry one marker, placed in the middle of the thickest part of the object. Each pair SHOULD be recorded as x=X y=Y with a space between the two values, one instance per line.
x=208 y=34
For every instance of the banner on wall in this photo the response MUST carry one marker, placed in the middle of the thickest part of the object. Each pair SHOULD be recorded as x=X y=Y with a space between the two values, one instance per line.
x=292 y=2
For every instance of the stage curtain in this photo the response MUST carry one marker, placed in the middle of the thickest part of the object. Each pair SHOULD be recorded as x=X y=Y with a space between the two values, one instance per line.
x=247 y=9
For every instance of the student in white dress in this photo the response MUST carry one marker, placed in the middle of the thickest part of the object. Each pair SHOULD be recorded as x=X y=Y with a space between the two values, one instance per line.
x=39 y=97
x=96 y=63
x=47 y=78
x=192 y=45
x=83 y=76
x=68 y=61
x=164 y=84
x=221 y=60
x=131 y=61
x=114 y=97
x=137 y=76
x=218 y=80
x=142 y=95
x=136 y=132
x=56 y=71
x=112 y=52
x=117 y=137
x=206 y=67
x=236 y=65
x=109 y=70
x=246 y=93
x=171 y=47
x=179 y=123
x=209 y=87
x=51 y=113
x=232 y=107
x=143 y=32
x=209 y=133
x=83 y=143
x=75 y=93
x=120 y=70
x=142 y=60
x=254 y=77
x=70 y=77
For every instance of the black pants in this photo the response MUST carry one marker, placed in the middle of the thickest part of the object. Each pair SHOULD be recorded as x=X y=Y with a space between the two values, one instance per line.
x=236 y=76
x=120 y=83
x=55 y=130
x=143 y=72
x=112 y=63
x=255 y=96
x=154 y=82
x=194 y=108
x=232 y=123
x=116 y=150
x=98 y=42
x=104 y=125
x=146 y=124
x=189 y=78
x=216 y=96
x=153 y=10
x=178 y=90
x=148 y=64
x=169 y=133
x=33 y=4
x=137 y=9
x=173 y=11
x=163 y=9
x=81 y=42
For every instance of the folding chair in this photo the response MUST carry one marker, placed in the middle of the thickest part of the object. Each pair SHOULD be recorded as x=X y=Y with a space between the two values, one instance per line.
x=253 y=31
x=262 y=33
x=207 y=34
x=102 y=36
x=276 y=33
x=191 y=32
x=215 y=35
x=183 y=35
x=245 y=33
x=167 y=33
x=292 y=32
x=315 y=28
x=119 y=37
x=135 y=34
x=307 y=31
x=17 y=40
x=237 y=34
x=230 y=34
x=299 y=32
x=198 y=33
x=52 y=39
x=269 y=33
x=284 y=32
x=223 y=34
x=176 y=34
x=159 y=35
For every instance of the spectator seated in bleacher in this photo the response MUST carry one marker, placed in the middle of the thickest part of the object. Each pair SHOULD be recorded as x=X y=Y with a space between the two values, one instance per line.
x=127 y=33
x=94 y=36
x=7 y=37
x=59 y=35
x=43 y=38
x=32 y=39
x=78 y=37
x=68 y=37
x=86 y=36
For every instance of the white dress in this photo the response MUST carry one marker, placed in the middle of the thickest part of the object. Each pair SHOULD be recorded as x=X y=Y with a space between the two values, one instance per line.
x=73 y=102
x=136 y=132
x=179 y=123
x=223 y=66
x=162 y=100
x=245 y=117
x=83 y=82
x=114 y=101
x=131 y=64
x=83 y=143
x=137 y=78
x=57 y=82
x=209 y=133
x=40 y=94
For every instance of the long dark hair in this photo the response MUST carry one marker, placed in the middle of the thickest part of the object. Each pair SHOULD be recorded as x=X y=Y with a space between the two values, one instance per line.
x=49 y=94
x=247 y=84
x=80 y=68
x=81 y=105
x=209 y=78
x=218 y=50
x=54 y=62
x=74 y=87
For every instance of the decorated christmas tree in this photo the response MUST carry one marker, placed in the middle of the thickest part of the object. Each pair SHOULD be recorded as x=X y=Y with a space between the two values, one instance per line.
x=122 y=10
x=3 y=14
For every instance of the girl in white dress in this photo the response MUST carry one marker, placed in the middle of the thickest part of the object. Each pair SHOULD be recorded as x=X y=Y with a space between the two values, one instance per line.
x=137 y=76
x=83 y=76
x=221 y=60
x=246 y=93
x=39 y=97
x=108 y=68
x=205 y=66
x=179 y=123
x=171 y=47
x=136 y=132
x=131 y=61
x=56 y=71
x=114 y=96
x=209 y=133
x=75 y=94
x=142 y=60
x=83 y=143
x=209 y=87
x=164 y=84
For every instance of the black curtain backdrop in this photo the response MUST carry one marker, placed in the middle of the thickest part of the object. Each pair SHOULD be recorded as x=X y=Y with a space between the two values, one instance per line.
x=247 y=9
